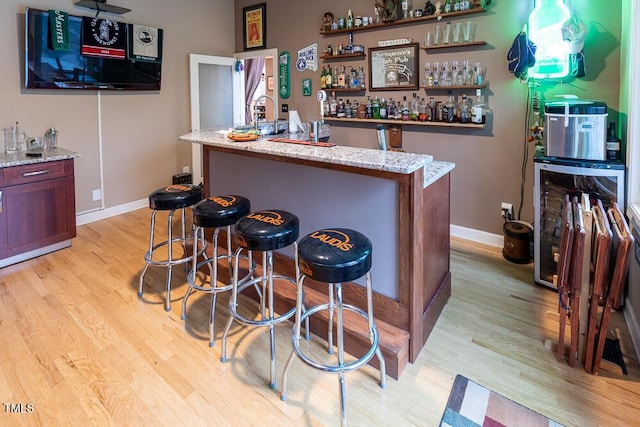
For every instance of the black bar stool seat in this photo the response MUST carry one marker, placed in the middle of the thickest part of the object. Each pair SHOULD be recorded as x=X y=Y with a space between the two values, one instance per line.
x=170 y=198
x=262 y=231
x=219 y=213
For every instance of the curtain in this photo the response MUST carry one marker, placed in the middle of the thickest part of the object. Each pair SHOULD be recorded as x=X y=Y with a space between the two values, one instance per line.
x=255 y=69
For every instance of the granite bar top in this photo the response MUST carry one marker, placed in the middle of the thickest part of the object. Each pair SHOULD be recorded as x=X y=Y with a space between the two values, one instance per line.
x=20 y=158
x=366 y=158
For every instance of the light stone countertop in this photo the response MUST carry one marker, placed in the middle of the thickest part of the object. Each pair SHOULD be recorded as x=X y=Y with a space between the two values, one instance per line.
x=20 y=158
x=366 y=158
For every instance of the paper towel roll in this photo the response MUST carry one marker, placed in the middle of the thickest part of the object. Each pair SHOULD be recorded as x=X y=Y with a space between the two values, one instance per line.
x=295 y=124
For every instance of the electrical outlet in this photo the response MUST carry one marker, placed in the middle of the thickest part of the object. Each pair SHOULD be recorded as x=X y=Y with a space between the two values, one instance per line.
x=284 y=108
x=185 y=169
x=506 y=210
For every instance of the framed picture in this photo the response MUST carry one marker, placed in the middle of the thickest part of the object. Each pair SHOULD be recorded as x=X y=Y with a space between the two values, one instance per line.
x=394 y=67
x=270 y=83
x=254 y=26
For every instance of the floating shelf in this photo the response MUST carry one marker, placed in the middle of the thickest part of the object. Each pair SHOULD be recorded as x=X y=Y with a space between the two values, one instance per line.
x=345 y=56
x=452 y=87
x=346 y=89
x=409 y=123
x=400 y=22
x=454 y=45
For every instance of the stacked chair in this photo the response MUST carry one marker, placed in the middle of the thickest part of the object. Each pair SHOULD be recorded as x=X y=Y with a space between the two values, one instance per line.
x=609 y=245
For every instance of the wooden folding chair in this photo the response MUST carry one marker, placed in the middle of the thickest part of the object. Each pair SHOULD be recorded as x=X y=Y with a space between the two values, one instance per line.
x=601 y=246
x=562 y=272
x=620 y=268
x=575 y=279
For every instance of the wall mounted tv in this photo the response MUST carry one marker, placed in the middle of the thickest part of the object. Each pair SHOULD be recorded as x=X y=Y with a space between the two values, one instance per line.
x=69 y=68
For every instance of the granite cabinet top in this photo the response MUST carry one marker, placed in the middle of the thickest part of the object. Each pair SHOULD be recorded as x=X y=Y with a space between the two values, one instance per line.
x=366 y=158
x=20 y=158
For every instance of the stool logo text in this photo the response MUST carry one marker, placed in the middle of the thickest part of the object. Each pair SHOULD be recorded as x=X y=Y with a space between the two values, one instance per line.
x=224 y=201
x=341 y=241
x=268 y=217
x=176 y=188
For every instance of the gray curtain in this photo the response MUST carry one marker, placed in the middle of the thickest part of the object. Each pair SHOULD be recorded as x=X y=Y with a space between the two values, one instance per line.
x=254 y=68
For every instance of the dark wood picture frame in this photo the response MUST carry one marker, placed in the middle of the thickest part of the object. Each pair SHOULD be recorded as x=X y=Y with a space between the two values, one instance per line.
x=254 y=26
x=394 y=67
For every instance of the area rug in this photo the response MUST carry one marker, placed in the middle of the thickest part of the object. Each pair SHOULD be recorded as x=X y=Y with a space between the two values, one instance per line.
x=472 y=405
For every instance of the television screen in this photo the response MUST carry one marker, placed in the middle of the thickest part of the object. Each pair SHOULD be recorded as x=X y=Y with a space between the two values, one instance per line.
x=83 y=67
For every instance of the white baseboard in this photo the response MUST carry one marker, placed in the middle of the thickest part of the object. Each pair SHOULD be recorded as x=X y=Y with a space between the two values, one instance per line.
x=96 y=215
x=633 y=325
x=477 y=236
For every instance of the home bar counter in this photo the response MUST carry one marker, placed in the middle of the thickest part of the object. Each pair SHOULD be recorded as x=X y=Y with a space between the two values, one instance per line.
x=400 y=201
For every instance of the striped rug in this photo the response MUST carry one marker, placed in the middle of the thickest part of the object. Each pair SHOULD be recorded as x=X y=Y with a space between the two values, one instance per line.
x=472 y=405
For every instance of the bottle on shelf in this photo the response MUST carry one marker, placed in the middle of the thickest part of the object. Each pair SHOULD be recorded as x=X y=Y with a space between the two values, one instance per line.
x=391 y=109
x=363 y=84
x=333 y=105
x=422 y=111
x=464 y=110
x=447 y=6
x=449 y=110
x=369 y=109
x=347 y=109
x=341 y=109
x=405 y=109
x=478 y=113
x=383 y=109
x=432 y=109
x=323 y=79
x=349 y=19
x=328 y=78
x=413 y=112
x=376 y=108
x=439 y=112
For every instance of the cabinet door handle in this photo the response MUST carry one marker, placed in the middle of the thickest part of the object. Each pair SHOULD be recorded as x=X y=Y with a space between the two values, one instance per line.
x=42 y=172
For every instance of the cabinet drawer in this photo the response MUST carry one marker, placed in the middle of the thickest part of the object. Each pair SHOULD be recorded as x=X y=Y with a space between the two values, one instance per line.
x=16 y=175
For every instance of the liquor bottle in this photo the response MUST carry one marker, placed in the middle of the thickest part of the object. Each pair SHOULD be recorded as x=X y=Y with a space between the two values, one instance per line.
x=341 y=78
x=333 y=106
x=432 y=110
x=354 y=111
x=464 y=110
x=478 y=114
x=383 y=109
x=456 y=5
x=341 y=109
x=376 y=108
x=347 y=109
x=391 y=113
x=449 y=110
x=323 y=79
x=349 y=19
x=439 y=112
x=447 y=6
x=369 y=108
x=363 y=84
x=328 y=78
x=354 y=82
x=413 y=112
x=405 y=109
x=613 y=143
x=422 y=111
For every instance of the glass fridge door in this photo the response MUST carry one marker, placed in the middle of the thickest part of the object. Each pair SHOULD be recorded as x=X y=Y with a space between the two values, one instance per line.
x=552 y=182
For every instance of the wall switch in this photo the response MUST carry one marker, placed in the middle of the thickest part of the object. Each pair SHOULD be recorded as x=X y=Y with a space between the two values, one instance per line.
x=285 y=108
x=185 y=169
x=97 y=195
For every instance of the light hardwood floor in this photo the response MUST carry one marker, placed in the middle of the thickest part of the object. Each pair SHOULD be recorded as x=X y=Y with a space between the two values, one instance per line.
x=78 y=347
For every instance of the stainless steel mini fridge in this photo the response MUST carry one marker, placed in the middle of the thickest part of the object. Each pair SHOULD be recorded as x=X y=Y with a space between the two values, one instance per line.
x=554 y=178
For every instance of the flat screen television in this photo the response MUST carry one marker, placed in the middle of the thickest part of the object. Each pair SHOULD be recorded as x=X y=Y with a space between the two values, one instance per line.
x=47 y=68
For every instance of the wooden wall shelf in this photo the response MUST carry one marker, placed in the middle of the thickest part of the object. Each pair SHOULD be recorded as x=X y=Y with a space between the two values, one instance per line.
x=409 y=123
x=453 y=45
x=345 y=56
x=401 y=22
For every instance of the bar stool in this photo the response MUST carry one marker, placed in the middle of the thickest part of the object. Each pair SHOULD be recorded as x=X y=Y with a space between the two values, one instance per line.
x=334 y=256
x=217 y=212
x=169 y=199
x=262 y=231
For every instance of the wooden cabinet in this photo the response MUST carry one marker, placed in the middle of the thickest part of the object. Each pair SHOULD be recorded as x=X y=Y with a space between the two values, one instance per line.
x=37 y=207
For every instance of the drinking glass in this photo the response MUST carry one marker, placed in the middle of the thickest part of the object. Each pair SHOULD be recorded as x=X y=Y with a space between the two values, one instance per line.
x=446 y=36
x=438 y=35
x=456 y=32
x=428 y=39
x=469 y=31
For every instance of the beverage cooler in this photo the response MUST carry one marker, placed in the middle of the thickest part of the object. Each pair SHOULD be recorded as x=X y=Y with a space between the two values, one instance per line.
x=555 y=177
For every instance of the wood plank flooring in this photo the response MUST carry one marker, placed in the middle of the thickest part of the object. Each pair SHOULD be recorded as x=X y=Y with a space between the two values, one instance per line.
x=78 y=347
